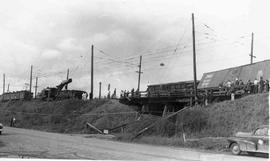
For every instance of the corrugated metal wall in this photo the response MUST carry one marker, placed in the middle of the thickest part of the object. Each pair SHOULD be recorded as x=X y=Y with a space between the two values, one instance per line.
x=245 y=73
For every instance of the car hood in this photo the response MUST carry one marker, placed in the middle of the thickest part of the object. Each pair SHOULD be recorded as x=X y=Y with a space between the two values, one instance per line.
x=243 y=134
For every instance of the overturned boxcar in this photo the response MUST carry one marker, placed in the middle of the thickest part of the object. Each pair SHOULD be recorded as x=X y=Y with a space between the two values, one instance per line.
x=244 y=73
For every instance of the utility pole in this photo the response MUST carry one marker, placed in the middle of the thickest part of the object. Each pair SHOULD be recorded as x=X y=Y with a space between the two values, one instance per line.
x=139 y=72
x=194 y=61
x=99 y=96
x=8 y=88
x=31 y=72
x=109 y=91
x=92 y=72
x=66 y=87
x=4 y=81
x=36 y=87
x=251 y=51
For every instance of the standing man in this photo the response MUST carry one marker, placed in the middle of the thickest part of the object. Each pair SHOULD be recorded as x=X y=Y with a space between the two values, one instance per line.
x=249 y=90
x=132 y=92
x=261 y=84
x=12 y=121
x=114 y=93
x=256 y=85
x=266 y=86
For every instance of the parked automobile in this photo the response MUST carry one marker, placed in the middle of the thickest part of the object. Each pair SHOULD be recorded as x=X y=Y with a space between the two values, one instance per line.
x=1 y=128
x=256 y=141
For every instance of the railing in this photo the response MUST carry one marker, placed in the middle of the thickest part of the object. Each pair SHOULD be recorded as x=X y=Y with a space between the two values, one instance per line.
x=215 y=91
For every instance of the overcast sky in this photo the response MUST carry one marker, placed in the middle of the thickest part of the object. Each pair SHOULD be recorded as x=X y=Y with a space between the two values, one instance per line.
x=54 y=35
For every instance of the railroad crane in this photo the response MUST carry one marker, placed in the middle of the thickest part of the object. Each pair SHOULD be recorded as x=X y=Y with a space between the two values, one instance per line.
x=53 y=93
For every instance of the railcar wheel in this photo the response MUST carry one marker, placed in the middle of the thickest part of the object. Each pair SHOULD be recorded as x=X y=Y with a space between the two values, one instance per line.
x=235 y=149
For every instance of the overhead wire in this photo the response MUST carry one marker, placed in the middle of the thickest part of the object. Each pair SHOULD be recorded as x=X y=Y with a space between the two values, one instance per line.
x=106 y=60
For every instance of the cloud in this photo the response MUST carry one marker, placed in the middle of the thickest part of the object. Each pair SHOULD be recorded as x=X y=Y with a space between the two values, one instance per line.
x=51 y=54
x=56 y=35
x=69 y=44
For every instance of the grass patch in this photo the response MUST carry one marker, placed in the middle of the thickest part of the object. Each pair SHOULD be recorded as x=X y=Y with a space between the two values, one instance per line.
x=202 y=125
x=1 y=144
x=66 y=116
x=205 y=127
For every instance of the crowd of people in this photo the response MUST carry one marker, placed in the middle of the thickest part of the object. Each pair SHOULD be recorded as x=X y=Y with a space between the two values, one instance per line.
x=229 y=87
x=256 y=86
x=126 y=93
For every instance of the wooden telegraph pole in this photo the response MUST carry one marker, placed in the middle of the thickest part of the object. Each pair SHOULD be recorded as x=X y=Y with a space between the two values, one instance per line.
x=66 y=87
x=139 y=74
x=99 y=96
x=194 y=61
x=251 y=51
x=92 y=72
x=109 y=91
x=4 y=81
x=31 y=72
x=36 y=87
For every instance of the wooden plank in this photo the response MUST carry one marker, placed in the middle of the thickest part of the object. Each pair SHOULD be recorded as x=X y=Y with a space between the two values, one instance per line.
x=93 y=127
x=156 y=122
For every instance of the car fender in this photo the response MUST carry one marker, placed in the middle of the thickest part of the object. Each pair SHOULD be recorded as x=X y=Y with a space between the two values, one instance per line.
x=245 y=145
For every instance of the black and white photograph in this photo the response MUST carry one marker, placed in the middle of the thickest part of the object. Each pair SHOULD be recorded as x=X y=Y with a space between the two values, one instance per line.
x=183 y=80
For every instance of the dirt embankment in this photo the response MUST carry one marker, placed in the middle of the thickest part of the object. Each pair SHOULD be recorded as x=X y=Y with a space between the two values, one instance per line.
x=67 y=116
x=225 y=118
x=215 y=120
x=208 y=127
x=211 y=124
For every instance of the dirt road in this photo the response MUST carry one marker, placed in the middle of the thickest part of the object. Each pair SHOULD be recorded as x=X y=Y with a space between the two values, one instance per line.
x=36 y=144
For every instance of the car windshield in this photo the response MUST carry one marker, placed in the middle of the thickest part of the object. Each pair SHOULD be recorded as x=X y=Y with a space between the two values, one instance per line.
x=262 y=132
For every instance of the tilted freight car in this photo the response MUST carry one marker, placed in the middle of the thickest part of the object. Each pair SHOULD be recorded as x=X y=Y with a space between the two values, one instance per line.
x=18 y=95
x=237 y=80
x=244 y=73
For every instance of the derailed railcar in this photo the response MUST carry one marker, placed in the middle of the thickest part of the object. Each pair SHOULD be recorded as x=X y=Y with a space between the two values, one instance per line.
x=244 y=73
x=215 y=85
